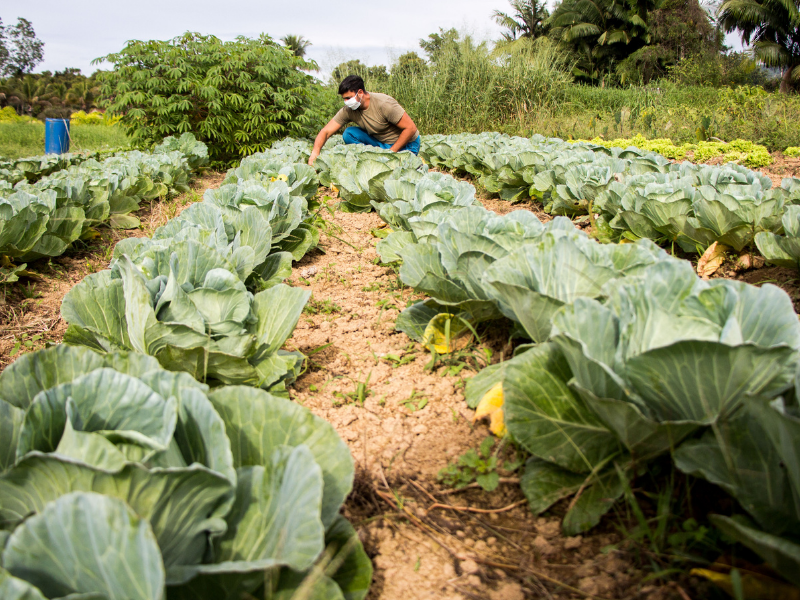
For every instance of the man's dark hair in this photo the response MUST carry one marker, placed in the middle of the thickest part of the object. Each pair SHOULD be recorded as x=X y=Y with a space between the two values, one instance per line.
x=351 y=83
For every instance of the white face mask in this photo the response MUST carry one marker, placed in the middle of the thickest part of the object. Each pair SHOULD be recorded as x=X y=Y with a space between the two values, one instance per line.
x=352 y=103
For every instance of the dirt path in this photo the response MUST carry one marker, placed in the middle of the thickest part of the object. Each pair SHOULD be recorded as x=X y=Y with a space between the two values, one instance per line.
x=407 y=424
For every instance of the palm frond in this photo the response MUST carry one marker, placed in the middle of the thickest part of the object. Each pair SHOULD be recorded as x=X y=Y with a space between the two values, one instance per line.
x=581 y=30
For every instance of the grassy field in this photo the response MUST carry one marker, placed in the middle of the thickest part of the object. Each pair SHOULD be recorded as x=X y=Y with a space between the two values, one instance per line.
x=18 y=140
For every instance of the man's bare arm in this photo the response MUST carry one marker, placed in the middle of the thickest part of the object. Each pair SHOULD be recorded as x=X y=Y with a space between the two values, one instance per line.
x=409 y=130
x=326 y=132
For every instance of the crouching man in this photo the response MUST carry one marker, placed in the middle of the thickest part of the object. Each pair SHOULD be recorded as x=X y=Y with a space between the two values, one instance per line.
x=379 y=121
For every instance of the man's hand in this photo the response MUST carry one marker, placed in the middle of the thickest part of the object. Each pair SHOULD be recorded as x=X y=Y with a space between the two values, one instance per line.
x=408 y=132
x=322 y=137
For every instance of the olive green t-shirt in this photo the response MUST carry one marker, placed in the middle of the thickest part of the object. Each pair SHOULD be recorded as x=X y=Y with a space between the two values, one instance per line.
x=379 y=120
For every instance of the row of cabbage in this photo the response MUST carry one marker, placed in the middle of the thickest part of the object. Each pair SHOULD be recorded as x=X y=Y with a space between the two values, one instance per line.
x=204 y=294
x=120 y=479
x=125 y=479
x=635 y=194
x=632 y=358
x=33 y=168
x=44 y=219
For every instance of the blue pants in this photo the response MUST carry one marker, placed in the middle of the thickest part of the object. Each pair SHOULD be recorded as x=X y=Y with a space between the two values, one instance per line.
x=356 y=135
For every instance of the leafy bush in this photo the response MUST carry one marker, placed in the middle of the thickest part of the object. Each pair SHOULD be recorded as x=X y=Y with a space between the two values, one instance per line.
x=96 y=118
x=792 y=151
x=9 y=115
x=111 y=465
x=235 y=96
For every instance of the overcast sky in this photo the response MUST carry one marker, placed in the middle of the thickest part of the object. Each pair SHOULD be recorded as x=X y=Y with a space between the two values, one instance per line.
x=77 y=32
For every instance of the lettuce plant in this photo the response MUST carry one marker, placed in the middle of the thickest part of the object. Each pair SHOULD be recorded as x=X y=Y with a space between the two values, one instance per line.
x=121 y=479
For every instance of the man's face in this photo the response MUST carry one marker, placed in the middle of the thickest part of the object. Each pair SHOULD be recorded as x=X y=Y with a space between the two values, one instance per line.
x=348 y=95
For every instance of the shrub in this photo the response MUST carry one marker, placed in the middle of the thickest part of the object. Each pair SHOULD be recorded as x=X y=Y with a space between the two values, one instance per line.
x=792 y=151
x=237 y=96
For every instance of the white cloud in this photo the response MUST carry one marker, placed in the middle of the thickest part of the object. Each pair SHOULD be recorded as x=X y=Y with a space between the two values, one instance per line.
x=375 y=32
x=76 y=33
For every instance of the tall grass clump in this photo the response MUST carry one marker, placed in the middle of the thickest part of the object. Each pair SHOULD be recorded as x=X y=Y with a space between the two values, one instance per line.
x=467 y=88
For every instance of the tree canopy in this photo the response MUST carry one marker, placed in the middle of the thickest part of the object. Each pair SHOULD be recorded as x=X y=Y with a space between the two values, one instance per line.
x=20 y=50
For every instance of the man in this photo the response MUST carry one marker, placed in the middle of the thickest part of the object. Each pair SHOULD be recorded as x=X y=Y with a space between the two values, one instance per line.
x=380 y=121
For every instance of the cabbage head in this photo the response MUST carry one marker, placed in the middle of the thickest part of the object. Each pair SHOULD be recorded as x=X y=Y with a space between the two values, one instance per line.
x=119 y=479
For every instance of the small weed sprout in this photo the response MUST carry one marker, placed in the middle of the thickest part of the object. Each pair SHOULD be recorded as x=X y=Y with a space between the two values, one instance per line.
x=480 y=466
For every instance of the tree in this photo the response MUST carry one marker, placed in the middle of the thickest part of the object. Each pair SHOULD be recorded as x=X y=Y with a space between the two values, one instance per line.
x=297 y=44
x=679 y=30
x=602 y=33
x=773 y=27
x=526 y=22
x=4 y=53
x=409 y=63
x=237 y=97
x=438 y=42
x=356 y=67
x=81 y=94
x=21 y=49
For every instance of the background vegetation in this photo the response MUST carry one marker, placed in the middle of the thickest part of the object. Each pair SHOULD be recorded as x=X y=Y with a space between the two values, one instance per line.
x=604 y=68
x=653 y=67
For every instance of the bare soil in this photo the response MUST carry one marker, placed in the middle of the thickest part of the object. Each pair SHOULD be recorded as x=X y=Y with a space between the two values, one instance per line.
x=425 y=540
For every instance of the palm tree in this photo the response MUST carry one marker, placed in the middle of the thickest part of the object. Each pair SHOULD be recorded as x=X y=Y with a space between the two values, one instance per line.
x=602 y=32
x=27 y=91
x=57 y=90
x=773 y=26
x=81 y=94
x=297 y=44
x=527 y=21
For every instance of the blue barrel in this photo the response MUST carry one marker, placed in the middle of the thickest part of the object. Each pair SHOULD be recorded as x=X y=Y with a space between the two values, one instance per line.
x=56 y=136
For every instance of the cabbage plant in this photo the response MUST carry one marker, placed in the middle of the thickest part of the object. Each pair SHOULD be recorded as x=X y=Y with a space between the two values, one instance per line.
x=195 y=152
x=755 y=457
x=620 y=382
x=31 y=226
x=119 y=479
x=44 y=219
x=301 y=179
x=286 y=213
x=186 y=304
x=783 y=250
x=358 y=172
x=416 y=194
x=533 y=281
x=449 y=264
